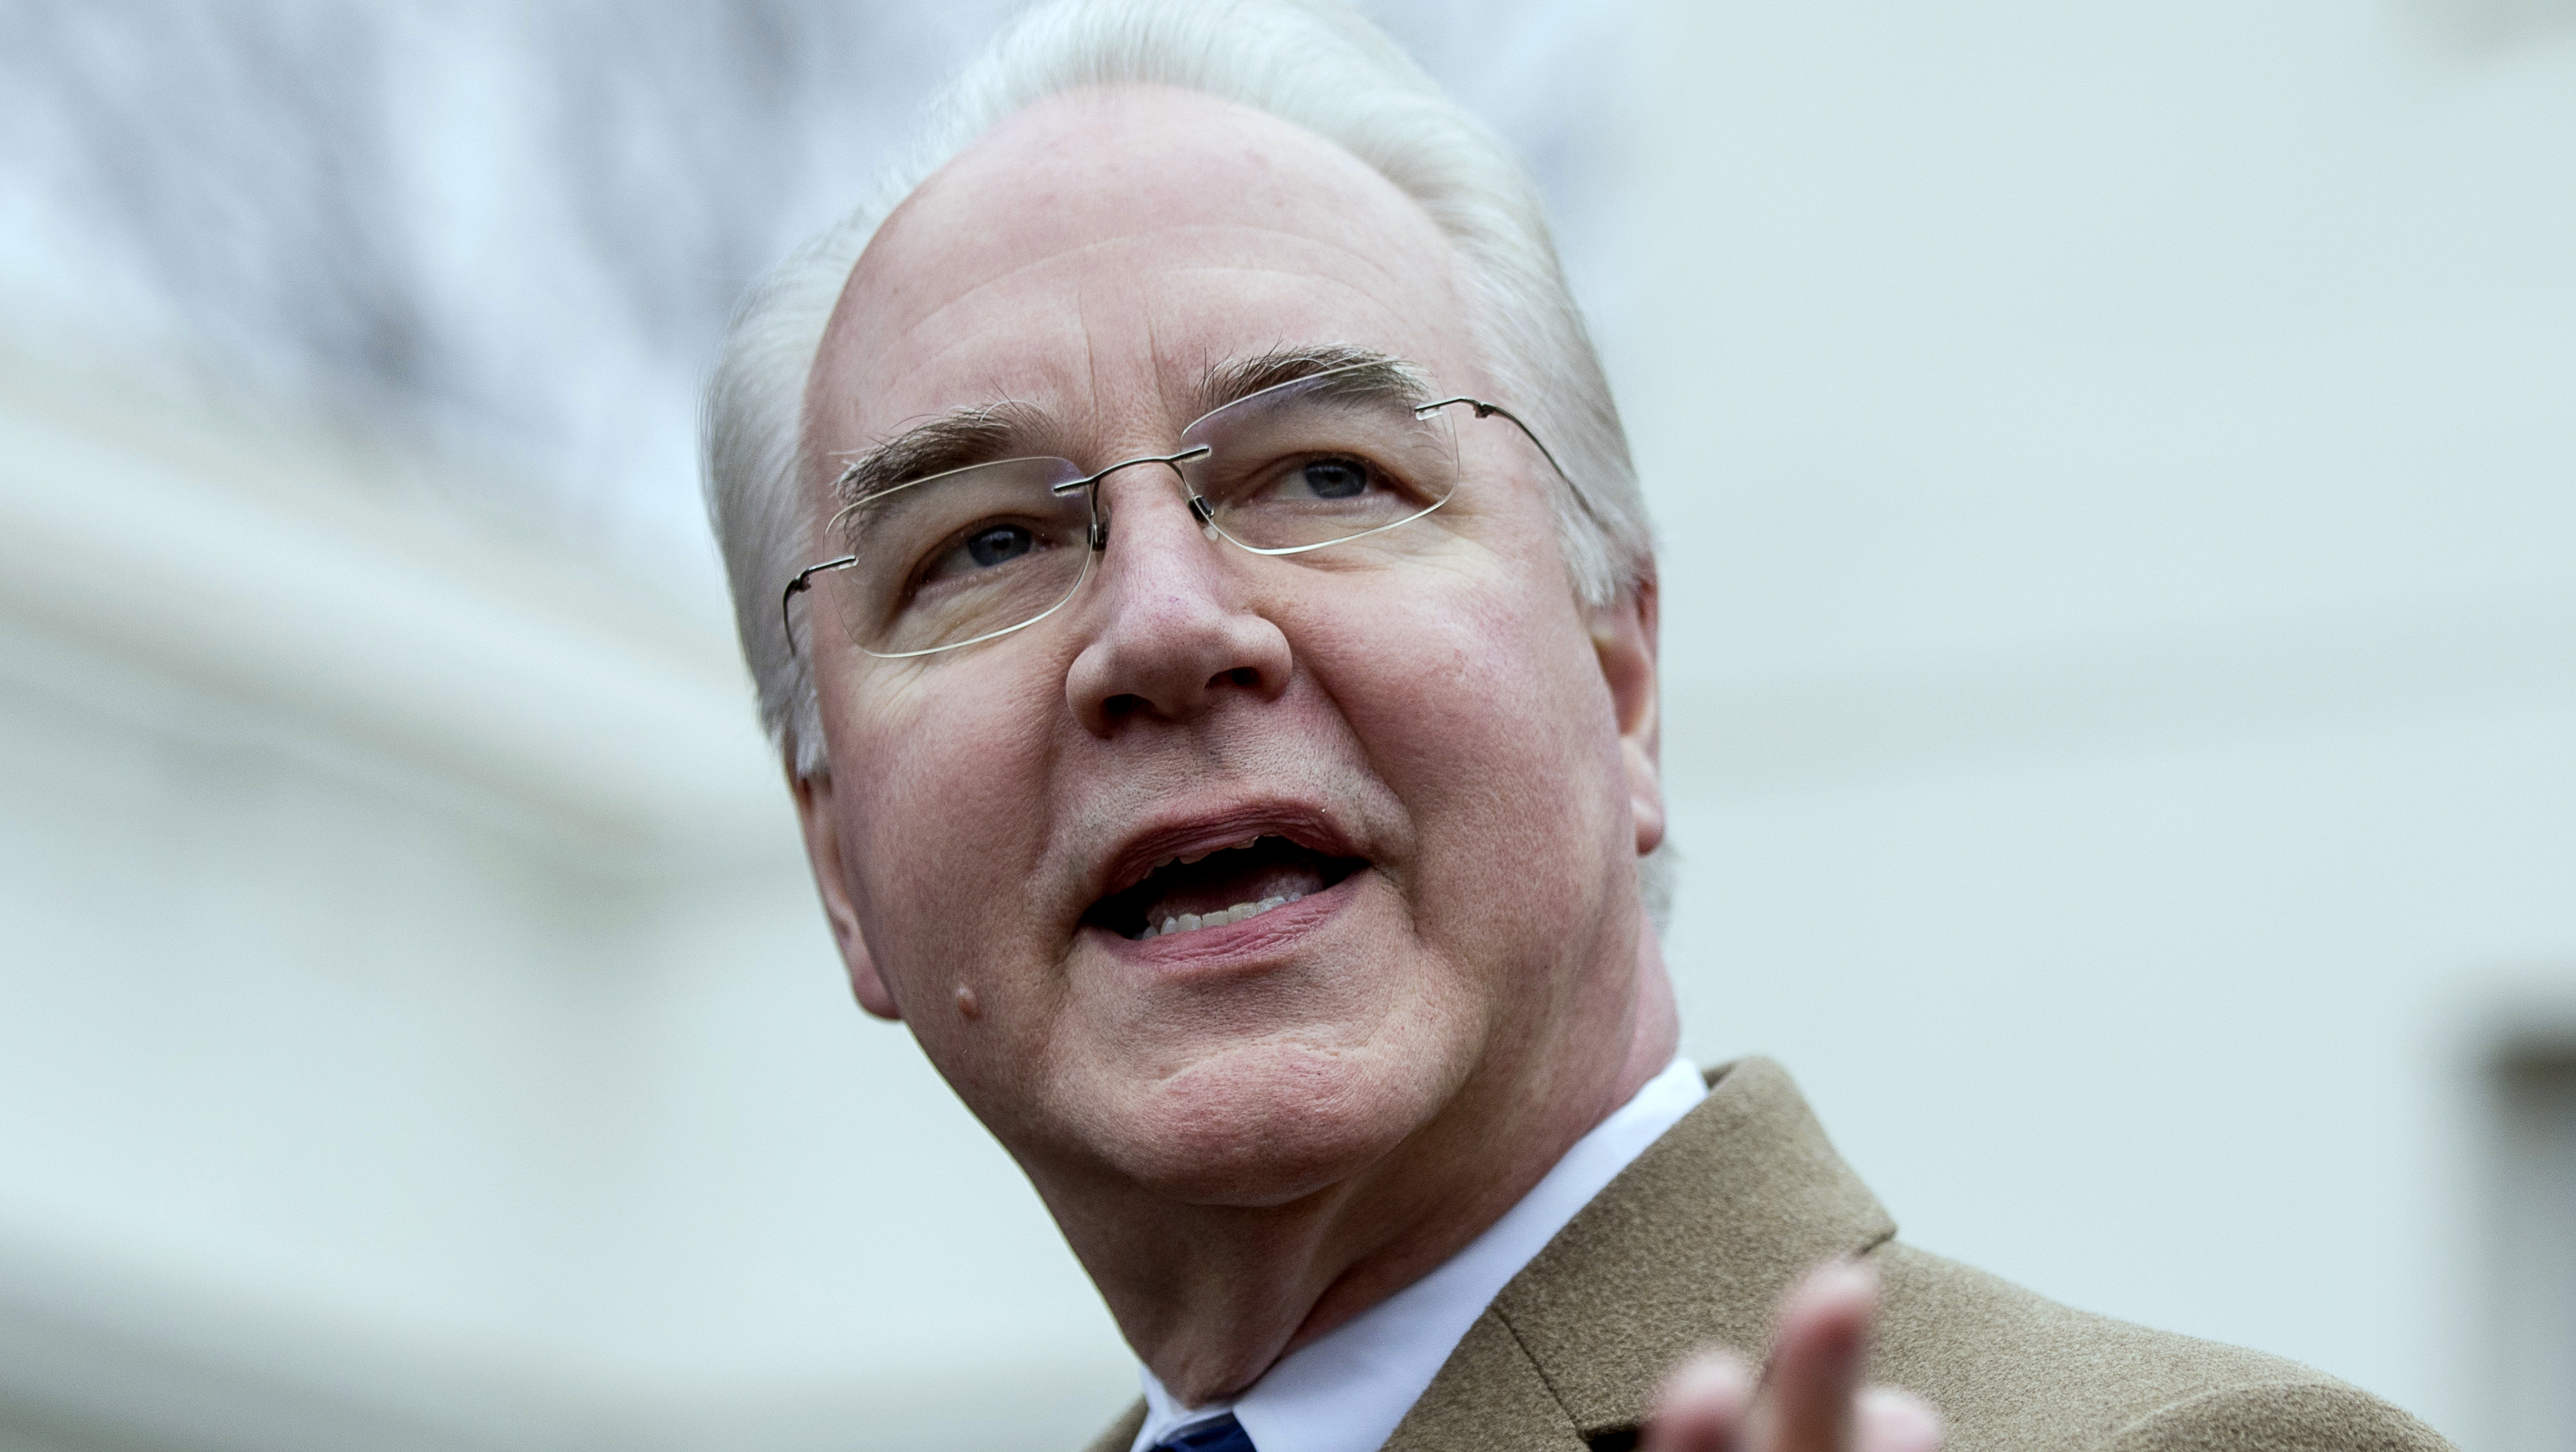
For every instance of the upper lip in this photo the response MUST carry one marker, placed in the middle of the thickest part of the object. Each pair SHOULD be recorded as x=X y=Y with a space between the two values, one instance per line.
x=1204 y=830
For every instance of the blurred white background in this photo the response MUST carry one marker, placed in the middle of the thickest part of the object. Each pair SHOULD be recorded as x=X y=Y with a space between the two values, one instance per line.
x=2117 y=471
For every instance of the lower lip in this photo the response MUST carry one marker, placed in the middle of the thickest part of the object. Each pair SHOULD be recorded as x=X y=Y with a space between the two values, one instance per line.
x=1233 y=942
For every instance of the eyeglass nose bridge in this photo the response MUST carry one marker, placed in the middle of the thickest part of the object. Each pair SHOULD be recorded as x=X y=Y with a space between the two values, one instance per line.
x=1199 y=509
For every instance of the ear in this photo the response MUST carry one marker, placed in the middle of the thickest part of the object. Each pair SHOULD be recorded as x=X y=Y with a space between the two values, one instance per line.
x=1623 y=633
x=823 y=850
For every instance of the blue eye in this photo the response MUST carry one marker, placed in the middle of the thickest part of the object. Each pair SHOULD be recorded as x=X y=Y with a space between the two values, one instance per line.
x=1336 y=478
x=999 y=545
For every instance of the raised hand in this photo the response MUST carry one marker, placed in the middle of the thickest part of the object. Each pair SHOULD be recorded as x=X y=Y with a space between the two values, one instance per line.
x=1811 y=1399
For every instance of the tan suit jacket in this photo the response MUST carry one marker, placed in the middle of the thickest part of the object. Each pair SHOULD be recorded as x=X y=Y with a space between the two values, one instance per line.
x=1696 y=1242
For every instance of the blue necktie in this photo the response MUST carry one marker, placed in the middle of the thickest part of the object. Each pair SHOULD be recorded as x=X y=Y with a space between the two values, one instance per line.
x=1223 y=1434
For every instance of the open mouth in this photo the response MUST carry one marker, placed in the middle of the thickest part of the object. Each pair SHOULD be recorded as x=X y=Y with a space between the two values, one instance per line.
x=1224 y=885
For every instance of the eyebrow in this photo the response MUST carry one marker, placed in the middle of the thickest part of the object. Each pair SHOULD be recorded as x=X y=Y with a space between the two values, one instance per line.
x=1369 y=374
x=988 y=432
x=976 y=434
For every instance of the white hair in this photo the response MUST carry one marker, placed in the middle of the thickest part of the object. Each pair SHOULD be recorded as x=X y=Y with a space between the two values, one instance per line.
x=1317 y=64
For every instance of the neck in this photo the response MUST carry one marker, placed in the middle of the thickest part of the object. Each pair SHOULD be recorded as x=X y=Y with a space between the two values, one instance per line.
x=1211 y=1296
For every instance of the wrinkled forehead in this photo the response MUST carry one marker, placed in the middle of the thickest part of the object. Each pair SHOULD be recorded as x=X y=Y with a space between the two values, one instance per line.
x=1097 y=254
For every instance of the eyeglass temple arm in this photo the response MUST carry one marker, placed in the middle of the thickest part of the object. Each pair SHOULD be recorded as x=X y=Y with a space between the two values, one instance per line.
x=804 y=581
x=1488 y=410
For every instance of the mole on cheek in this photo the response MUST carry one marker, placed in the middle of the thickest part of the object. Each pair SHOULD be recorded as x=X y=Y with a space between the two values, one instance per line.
x=969 y=1007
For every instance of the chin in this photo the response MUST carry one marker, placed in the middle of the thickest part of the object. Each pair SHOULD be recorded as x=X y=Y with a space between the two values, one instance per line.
x=1273 y=1121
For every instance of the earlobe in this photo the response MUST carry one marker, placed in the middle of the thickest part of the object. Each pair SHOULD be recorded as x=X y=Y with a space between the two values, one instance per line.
x=867 y=987
x=1623 y=635
x=823 y=851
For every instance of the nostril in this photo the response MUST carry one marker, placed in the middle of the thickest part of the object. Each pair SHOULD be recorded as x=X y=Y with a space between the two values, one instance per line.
x=1118 y=708
x=1244 y=676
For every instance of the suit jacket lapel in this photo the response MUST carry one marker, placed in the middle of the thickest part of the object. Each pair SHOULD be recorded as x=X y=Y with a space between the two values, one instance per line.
x=1695 y=1243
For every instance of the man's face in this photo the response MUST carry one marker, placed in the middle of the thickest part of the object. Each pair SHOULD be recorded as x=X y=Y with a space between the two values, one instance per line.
x=1429 y=750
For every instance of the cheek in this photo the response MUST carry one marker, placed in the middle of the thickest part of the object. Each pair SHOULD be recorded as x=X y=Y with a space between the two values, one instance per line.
x=945 y=817
x=1486 y=712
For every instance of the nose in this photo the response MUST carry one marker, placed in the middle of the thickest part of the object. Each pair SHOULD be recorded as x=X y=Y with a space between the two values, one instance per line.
x=1173 y=632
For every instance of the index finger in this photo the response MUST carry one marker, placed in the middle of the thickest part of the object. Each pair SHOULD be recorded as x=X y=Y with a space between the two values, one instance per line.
x=1816 y=1361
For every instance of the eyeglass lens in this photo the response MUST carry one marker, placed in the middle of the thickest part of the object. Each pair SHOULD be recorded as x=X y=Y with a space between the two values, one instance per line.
x=977 y=552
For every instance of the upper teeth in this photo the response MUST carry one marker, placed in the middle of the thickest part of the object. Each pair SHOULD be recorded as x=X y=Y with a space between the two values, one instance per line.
x=1186 y=858
x=1190 y=922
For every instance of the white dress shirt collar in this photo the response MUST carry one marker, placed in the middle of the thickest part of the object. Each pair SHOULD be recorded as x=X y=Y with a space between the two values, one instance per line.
x=1345 y=1390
